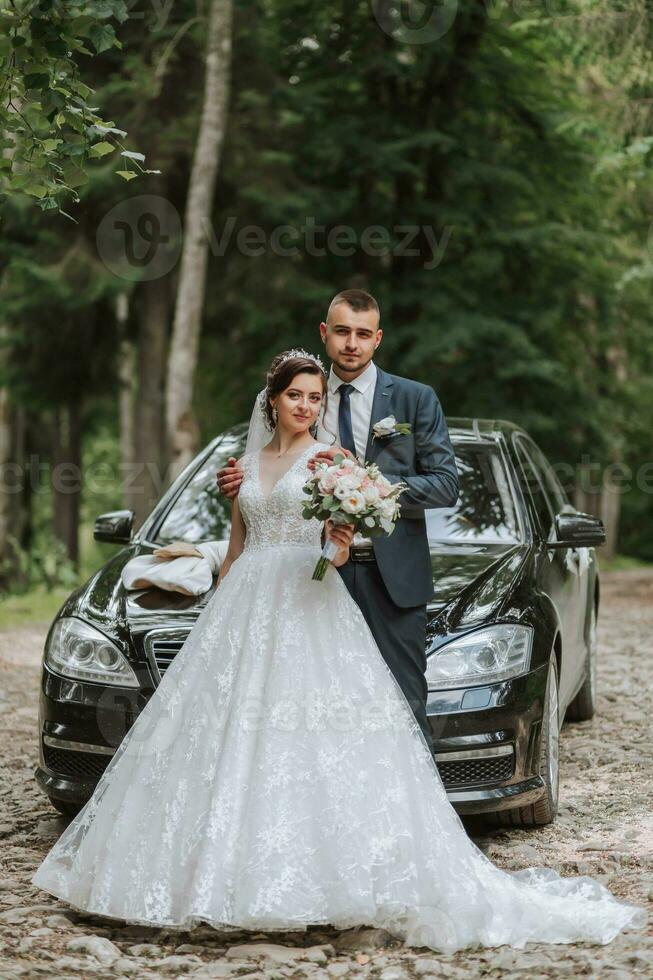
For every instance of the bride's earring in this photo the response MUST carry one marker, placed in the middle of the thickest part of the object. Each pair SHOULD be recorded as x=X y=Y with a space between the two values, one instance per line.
x=275 y=414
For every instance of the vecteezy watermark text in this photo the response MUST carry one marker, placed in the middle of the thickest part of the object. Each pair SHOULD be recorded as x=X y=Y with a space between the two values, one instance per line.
x=319 y=240
x=141 y=239
x=140 y=477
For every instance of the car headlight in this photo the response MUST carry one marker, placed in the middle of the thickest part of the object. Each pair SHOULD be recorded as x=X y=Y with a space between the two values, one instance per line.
x=77 y=649
x=482 y=657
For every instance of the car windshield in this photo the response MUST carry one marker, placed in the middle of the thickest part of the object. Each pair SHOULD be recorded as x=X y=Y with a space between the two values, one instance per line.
x=200 y=512
x=484 y=512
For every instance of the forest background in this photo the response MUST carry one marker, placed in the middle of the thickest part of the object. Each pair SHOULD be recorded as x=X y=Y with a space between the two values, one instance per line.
x=184 y=187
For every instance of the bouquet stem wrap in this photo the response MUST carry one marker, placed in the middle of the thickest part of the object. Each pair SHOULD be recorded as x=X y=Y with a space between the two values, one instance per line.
x=329 y=551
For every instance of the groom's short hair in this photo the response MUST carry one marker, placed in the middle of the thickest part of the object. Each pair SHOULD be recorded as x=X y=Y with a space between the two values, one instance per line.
x=357 y=299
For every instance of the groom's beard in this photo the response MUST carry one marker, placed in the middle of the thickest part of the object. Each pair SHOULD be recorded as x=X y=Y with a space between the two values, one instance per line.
x=352 y=367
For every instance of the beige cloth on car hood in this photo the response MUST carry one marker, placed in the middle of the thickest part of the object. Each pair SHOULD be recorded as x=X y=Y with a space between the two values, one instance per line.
x=178 y=567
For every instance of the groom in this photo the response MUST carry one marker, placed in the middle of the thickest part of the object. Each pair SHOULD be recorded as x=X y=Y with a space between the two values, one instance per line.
x=389 y=577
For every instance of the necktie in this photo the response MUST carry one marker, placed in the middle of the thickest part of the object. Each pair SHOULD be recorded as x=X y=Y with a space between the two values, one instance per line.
x=344 y=419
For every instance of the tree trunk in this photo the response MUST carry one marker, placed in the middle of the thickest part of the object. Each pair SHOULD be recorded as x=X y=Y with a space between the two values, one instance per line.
x=616 y=357
x=15 y=515
x=610 y=511
x=182 y=428
x=67 y=477
x=127 y=399
x=6 y=469
x=14 y=483
x=150 y=457
x=600 y=495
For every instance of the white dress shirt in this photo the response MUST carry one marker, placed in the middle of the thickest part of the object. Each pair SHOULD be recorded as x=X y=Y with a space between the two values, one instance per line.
x=360 y=402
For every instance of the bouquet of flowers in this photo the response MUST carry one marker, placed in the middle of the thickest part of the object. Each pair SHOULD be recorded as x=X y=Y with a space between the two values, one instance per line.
x=350 y=493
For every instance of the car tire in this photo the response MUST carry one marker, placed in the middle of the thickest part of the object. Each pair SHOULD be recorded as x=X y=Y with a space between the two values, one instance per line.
x=583 y=707
x=65 y=808
x=543 y=811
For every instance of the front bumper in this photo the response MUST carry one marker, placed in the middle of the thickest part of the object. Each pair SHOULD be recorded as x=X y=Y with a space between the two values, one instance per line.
x=486 y=739
x=80 y=727
x=487 y=742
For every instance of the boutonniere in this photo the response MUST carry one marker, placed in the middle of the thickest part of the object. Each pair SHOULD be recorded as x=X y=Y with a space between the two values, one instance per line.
x=390 y=427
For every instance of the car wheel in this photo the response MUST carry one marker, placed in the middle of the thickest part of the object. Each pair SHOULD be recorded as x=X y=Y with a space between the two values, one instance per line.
x=544 y=811
x=67 y=809
x=583 y=707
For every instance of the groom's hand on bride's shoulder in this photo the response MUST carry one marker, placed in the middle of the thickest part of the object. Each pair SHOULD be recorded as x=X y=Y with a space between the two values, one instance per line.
x=229 y=478
x=327 y=456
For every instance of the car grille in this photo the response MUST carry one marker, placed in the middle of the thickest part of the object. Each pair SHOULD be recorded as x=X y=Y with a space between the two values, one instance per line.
x=88 y=765
x=164 y=653
x=161 y=648
x=471 y=772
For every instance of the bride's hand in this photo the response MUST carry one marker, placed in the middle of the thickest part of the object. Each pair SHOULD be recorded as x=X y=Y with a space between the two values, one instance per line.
x=342 y=535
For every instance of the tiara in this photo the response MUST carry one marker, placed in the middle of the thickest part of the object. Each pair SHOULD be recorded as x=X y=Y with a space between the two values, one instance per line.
x=262 y=399
x=300 y=352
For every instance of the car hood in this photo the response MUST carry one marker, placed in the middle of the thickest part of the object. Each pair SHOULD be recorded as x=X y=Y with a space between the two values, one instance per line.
x=472 y=582
x=114 y=609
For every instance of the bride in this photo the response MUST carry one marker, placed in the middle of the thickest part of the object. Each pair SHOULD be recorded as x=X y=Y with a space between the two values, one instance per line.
x=277 y=778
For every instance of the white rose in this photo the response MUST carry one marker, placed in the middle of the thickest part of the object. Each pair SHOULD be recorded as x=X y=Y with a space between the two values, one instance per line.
x=371 y=495
x=344 y=486
x=385 y=426
x=387 y=508
x=353 y=503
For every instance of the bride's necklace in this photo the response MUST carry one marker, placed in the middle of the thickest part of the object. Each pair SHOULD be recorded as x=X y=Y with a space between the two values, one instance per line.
x=287 y=452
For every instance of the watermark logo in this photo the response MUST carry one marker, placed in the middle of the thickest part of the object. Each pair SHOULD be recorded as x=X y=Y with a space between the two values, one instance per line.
x=413 y=22
x=140 y=238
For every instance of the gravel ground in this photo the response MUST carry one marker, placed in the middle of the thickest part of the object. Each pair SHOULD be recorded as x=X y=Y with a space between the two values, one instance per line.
x=605 y=829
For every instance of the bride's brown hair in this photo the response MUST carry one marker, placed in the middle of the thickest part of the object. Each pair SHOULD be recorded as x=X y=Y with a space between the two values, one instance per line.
x=283 y=370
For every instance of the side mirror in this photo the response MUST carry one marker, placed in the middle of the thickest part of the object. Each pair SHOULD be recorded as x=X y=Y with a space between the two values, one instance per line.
x=115 y=526
x=578 y=531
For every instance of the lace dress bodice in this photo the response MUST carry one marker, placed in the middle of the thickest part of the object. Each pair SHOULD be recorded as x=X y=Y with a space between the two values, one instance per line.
x=276 y=518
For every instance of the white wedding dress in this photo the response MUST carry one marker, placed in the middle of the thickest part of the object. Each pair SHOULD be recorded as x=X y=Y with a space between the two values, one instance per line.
x=277 y=778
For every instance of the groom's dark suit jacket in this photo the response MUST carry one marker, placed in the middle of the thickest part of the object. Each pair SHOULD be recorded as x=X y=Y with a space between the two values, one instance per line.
x=424 y=460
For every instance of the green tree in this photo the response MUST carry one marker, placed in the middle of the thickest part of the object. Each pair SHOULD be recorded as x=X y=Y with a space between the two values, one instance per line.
x=49 y=129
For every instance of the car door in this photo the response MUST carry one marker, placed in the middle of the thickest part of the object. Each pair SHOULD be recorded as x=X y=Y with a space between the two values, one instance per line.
x=575 y=559
x=555 y=576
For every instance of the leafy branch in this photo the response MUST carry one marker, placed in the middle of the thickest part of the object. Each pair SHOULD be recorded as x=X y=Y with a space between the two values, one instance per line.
x=49 y=131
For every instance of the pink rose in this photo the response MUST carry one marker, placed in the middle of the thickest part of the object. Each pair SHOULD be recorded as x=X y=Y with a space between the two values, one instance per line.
x=328 y=482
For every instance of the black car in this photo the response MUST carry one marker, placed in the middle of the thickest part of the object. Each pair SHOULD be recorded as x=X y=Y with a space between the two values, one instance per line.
x=511 y=636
